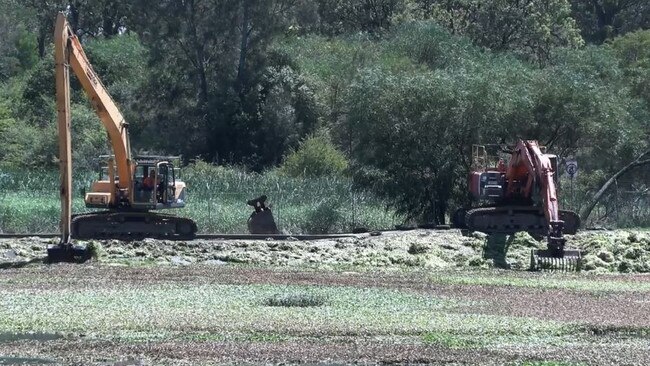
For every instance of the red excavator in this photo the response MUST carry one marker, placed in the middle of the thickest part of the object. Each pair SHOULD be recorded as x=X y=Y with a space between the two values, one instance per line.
x=517 y=192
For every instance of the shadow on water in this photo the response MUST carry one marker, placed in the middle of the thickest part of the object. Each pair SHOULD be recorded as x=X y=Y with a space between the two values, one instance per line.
x=41 y=337
x=496 y=248
x=15 y=337
x=24 y=361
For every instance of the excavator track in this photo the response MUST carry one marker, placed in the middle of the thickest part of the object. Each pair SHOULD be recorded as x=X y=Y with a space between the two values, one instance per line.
x=511 y=219
x=131 y=225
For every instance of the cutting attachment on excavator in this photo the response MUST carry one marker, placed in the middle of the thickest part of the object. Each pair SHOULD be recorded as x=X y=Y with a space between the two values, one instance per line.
x=261 y=221
x=556 y=257
x=570 y=260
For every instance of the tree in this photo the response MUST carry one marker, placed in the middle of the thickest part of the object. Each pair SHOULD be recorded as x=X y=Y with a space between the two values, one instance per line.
x=213 y=80
x=600 y=20
x=338 y=16
x=105 y=18
x=18 y=44
x=633 y=51
x=405 y=126
x=88 y=18
x=531 y=28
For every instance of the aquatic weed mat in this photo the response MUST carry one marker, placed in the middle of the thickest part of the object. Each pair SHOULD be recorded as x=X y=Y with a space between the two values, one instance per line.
x=604 y=252
x=204 y=314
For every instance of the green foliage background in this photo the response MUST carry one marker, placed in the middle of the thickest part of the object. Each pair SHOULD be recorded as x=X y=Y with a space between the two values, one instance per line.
x=404 y=87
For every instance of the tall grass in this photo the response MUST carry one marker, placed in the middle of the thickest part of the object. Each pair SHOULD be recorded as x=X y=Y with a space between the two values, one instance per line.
x=216 y=200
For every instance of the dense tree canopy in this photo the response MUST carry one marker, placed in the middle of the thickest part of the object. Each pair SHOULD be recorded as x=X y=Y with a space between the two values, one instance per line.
x=529 y=27
x=604 y=19
x=404 y=87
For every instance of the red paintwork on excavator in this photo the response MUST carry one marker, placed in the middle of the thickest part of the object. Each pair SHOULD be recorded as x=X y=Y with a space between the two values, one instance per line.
x=475 y=184
x=509 y=189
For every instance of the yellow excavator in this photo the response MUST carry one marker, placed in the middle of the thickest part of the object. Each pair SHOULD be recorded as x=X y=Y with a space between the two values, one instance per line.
x=130 y=187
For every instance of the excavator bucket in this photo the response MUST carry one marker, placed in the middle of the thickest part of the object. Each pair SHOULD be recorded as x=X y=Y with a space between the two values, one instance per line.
x=569 y=260
x=261 y=221
x=67 y=253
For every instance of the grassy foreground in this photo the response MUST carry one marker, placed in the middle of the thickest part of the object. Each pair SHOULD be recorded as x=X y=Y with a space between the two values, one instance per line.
x=217 y=198
x=228 y=314
x=423 y=297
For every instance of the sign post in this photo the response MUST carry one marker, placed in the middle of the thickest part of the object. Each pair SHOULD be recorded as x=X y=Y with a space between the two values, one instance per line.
x=571 y=167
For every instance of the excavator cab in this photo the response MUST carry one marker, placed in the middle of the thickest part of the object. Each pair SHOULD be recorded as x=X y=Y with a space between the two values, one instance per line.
x=155 y=185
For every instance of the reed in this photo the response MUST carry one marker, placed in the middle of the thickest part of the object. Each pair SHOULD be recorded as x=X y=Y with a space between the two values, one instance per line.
x=216 y=200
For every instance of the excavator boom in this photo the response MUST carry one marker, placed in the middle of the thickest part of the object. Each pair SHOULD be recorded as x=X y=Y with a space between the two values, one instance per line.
x=541 y=169
x=127 y=201
x=69 y=53
x=63 y=118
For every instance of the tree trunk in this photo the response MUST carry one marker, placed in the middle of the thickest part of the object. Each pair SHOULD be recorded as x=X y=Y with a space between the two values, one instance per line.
x=605 y=14
x=110 y=21
x=73 y=17
x=637 y=162
x=42 y=37
x=441 y=210
x=199 y=57
x=243 y=47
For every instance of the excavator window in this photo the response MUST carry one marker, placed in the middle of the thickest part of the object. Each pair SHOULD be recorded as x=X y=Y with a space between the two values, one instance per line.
x=143 y=180
x=103 y=173
x=165 y=190
x=142 y=172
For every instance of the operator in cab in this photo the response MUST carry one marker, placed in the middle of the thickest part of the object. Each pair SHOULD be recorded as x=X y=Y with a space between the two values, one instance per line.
x=149 y=180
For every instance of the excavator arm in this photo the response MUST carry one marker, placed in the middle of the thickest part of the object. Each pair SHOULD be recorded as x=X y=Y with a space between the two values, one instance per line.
x=529 y=157
x=70 y=54
x=530 y=164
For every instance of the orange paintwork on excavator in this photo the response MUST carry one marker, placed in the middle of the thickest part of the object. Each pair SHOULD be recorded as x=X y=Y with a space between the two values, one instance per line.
x=529 y=164
x=121 y=190
x=521 y=196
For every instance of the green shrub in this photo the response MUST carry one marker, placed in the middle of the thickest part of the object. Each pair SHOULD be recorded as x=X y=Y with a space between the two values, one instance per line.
x=476 y=261
x=315 y=157
x=95 y=249
x=294 y=300
x=418 y=248
x=323 y=219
